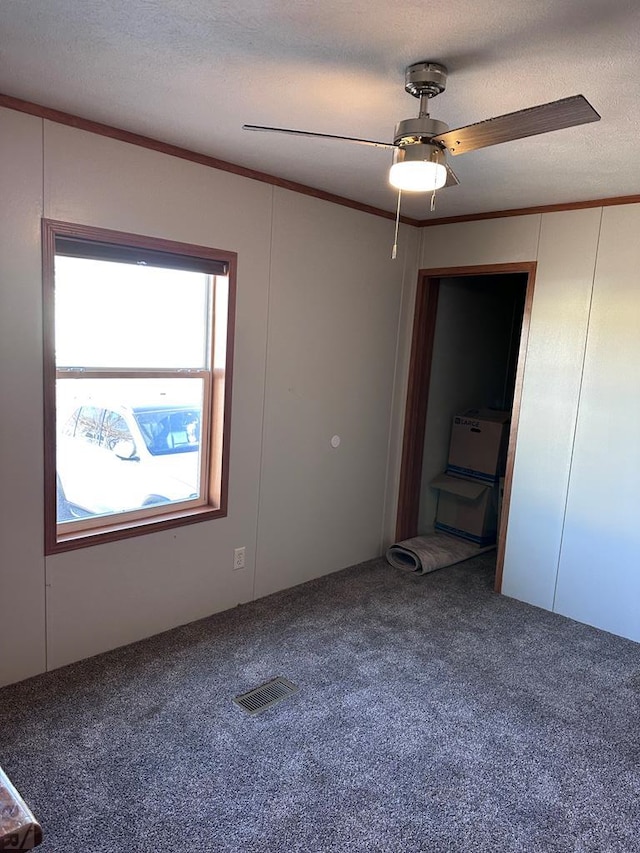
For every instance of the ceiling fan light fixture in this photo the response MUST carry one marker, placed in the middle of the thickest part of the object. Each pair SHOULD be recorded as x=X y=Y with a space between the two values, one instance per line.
x=418 y=168
x=417 y=177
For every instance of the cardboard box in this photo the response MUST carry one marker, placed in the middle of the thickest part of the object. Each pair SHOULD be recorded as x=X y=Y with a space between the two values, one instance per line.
x=478 y=448
x=466 y=508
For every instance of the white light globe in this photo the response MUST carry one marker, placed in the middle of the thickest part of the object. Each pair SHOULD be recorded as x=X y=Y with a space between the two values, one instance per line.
x=417 y=175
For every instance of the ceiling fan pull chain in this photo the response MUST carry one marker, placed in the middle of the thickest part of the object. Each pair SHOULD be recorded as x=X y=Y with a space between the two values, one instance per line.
x=433 y=201
x=394 y=251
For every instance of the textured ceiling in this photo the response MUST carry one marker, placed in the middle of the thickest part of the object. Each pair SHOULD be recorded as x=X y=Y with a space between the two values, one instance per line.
x=191 y=72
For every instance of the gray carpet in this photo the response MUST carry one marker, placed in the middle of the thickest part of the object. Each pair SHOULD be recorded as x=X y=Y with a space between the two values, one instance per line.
x=432 y=716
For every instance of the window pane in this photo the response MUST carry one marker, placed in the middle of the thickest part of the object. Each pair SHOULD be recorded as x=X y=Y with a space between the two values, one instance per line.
x=88 y=424
x=123 y=444
x=114 y=429
x=114 y=315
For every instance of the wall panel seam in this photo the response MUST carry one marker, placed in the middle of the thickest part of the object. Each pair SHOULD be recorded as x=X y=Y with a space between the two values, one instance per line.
x=264 y=394
x=45 y=582
x=577 y=413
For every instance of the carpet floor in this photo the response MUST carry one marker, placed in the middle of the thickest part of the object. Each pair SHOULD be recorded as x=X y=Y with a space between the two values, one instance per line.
x=432 y=715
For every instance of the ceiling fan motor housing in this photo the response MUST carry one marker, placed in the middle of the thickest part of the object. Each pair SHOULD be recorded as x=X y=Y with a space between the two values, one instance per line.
x=424 y=151
x=425 y=78
x=421 y=129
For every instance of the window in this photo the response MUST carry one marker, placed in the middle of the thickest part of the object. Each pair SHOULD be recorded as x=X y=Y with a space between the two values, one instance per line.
x=138 y=355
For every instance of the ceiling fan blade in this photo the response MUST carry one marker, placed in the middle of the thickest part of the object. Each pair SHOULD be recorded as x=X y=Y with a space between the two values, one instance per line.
x=371 y=142
x=452 y=178
x=556 y=115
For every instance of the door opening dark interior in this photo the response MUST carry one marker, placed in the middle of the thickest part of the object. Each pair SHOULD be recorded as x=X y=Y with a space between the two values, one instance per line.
x=468 y=349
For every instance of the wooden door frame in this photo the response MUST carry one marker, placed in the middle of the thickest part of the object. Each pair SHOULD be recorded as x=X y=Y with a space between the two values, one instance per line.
x=424 y=325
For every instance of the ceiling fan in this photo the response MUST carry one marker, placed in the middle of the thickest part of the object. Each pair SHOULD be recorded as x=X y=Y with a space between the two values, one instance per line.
x=420 y=144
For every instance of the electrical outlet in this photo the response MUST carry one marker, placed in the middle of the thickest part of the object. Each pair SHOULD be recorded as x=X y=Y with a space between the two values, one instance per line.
x=238 y=559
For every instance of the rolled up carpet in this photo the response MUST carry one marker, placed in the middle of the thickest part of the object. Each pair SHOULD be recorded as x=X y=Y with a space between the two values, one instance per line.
x=424 y=554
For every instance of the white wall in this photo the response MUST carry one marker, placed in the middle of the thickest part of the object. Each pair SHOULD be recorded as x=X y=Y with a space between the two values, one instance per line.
x=599 y=573
x=333 y=313
x=566 y=257
x=572 y=543
x=22 y=619
x=315 y=348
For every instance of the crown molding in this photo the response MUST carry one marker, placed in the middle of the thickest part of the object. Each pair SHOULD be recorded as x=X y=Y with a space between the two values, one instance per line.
x=100 y=129
x=526 y=211
x=108 y=130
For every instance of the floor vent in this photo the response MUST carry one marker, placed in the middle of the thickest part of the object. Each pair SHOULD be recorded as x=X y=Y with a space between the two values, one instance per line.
x=265 y=696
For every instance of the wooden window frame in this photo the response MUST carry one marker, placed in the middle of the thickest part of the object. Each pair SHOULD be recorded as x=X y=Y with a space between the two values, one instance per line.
x=218 y=384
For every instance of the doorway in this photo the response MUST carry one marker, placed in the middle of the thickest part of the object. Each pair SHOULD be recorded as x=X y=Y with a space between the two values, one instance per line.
x=471 y=353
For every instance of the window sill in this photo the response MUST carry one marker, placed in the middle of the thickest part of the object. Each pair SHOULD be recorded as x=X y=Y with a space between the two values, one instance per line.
x=126 y=530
